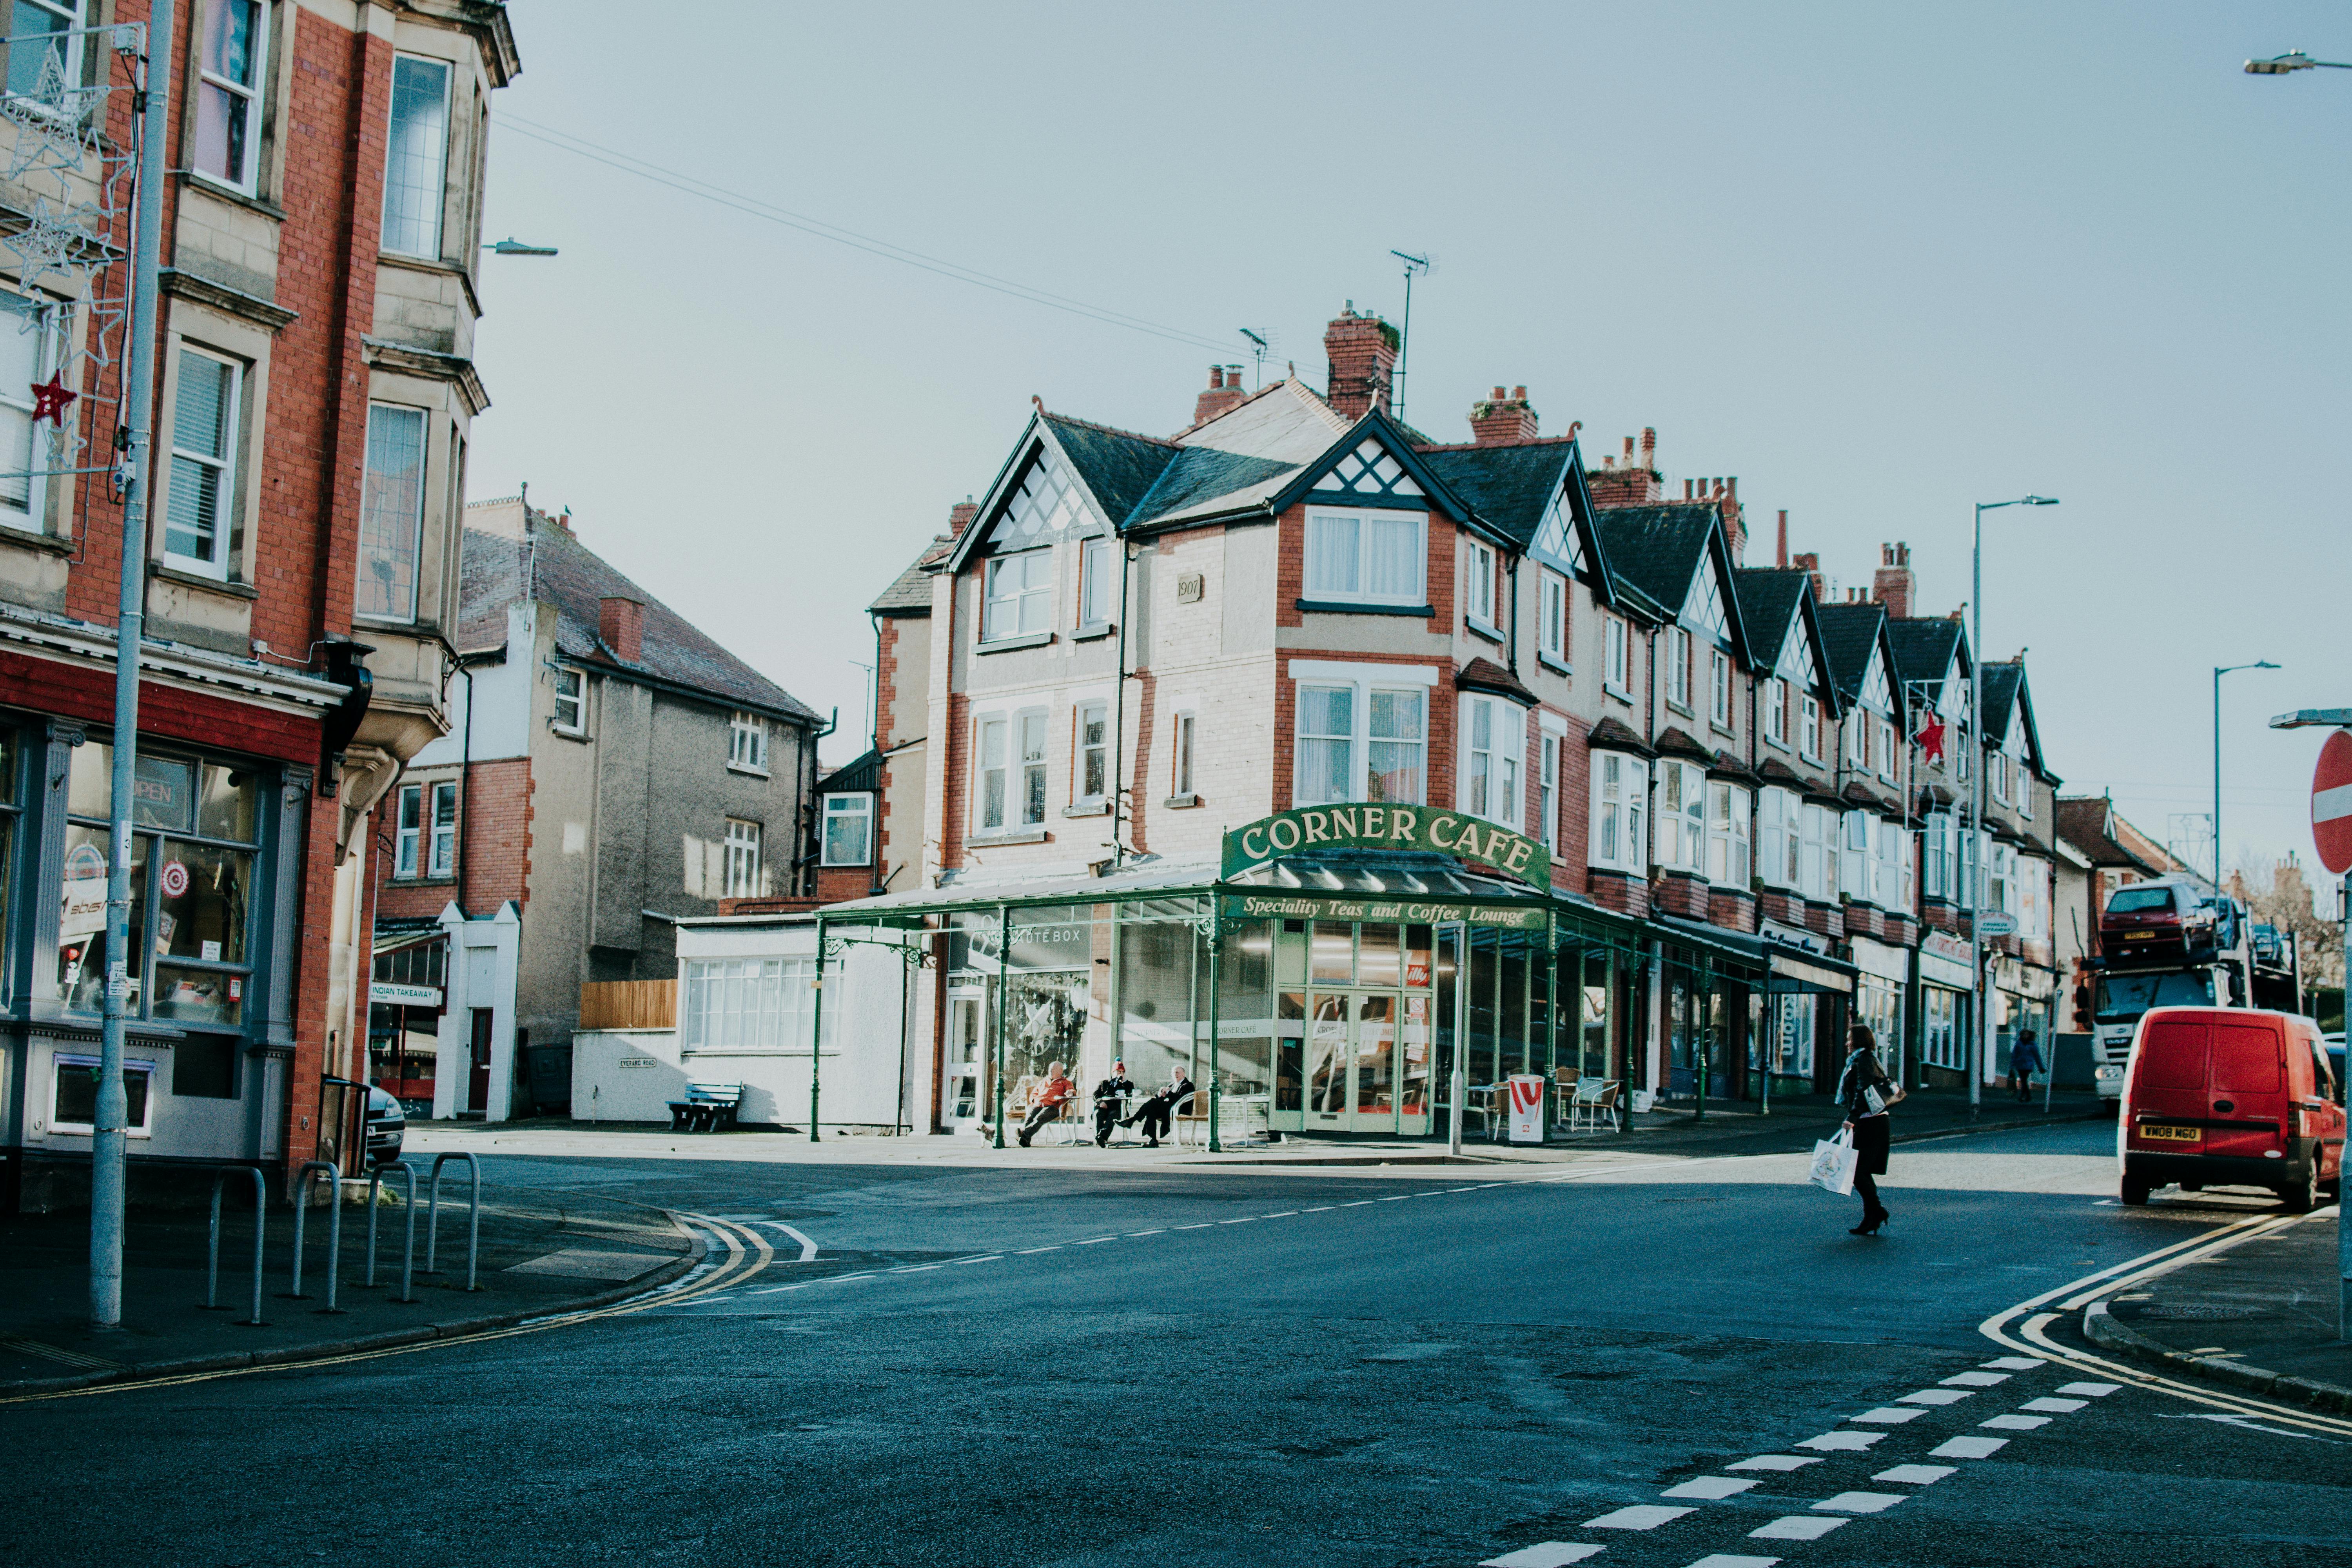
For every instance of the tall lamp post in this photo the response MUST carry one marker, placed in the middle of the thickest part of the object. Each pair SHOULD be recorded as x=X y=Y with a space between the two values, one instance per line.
x=1982 y=1049
x=2293 y=60
x=2218 y=671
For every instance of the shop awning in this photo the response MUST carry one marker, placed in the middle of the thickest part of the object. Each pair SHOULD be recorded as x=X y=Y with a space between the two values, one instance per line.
x=1785 y=970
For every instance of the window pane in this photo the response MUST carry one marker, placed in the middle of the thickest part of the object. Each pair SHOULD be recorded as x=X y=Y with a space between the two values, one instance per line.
x=26 y=57
x=391 y=511
x=81 y=929
x=416 y=155
x=1331 y=565
x=225 y=103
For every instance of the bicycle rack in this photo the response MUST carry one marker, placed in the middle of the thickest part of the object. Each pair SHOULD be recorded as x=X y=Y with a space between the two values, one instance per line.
x=335 y=1228
x=407 y=1296
x=473 y=1214
x=260 y=1225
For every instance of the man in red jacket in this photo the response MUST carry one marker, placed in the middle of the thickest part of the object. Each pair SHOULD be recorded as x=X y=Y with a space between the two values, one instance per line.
x=1046 y=1101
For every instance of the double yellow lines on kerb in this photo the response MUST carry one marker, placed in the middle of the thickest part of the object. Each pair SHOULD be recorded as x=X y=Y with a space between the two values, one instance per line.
x=2026 y=1327
x=735 y=1253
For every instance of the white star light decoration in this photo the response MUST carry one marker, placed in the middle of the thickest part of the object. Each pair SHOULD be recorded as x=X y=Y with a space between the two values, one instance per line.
x=50 y=121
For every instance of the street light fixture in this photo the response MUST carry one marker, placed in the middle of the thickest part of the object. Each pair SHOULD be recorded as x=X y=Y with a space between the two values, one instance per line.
x=1975 y=862
x=2218 y=671
x=2293 y=60
x=513 y=247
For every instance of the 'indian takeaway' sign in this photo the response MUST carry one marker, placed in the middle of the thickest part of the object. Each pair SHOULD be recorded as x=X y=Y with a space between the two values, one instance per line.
x=1465 y=837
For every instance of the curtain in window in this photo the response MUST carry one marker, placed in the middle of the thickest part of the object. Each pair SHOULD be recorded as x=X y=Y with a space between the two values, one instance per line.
x=416 y=157
x=1331 y=557
x=1033 y=769
x=1392 y=557
x=1854 y=858
x=1327 y=729
x=1396 y=747
x=1726 y=849
x=392 y=512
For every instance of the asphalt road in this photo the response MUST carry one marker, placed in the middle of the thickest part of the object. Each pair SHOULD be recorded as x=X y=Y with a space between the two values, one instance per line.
x=1212 y=1367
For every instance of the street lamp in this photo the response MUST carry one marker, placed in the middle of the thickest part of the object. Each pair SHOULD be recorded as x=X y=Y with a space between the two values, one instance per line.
x=1976 y=847
x=2293 y=60
x=512 y=247
x=2218 y=671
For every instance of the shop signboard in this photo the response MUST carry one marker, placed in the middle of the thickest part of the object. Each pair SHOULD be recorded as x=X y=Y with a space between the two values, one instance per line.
x=385 y=993
x=1527 y=1108
x=1305 y=829
x=1309 y=906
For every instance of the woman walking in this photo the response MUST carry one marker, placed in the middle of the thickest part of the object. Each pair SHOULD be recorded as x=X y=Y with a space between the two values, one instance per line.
x=1865 y=1092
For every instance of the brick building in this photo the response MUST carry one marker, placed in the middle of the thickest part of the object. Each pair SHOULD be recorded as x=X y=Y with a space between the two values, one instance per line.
x=314 y=393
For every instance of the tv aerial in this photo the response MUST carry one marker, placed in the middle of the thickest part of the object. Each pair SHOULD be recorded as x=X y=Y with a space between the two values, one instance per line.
x=1260 y=344
x=1414 y=266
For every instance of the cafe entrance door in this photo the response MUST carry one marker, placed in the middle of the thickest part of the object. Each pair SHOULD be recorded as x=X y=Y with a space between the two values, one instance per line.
x=1365 y=1061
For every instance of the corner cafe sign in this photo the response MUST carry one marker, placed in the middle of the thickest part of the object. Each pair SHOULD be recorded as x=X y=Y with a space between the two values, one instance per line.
x=1419 y=828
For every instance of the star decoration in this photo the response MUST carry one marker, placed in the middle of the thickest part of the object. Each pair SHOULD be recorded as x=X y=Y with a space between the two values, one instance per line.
x=1930 y=739
x=50 y=397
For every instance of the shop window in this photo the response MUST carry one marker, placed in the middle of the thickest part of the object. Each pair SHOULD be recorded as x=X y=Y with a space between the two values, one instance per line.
x=848 y=829
x=73 y=1100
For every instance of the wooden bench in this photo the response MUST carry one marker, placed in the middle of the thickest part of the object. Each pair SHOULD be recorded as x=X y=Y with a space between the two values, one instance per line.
x=707 y=1108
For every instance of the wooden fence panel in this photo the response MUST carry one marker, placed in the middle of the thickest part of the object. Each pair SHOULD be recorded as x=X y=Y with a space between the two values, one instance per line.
x=629 y=1005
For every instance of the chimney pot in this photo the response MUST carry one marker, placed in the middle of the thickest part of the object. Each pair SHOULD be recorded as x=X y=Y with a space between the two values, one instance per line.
x=1498 y=394
x=1520 y=394
x=1782 y=559
x=1629 y=448
x=620 y=622
x=960 y=516
x=1649 y=447
x=1503 y=419
x=1224 y=390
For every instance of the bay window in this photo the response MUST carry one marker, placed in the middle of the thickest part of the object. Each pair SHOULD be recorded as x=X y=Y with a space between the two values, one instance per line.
x=1359 y=740
x=1494 y=748
x=416 y=157
x=1727 y=836
x=1369 y=557
x=1551 y=630
x=1620 y=789
x=1936 y=879
x=1891 y=877
x=1817 y=852
x=1855 y=856
x=1018 y=595
x=1327 y=741
x=391 y=513
x=1681 y=818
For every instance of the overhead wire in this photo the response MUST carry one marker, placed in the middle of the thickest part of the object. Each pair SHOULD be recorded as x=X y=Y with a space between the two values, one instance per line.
x=753 y=207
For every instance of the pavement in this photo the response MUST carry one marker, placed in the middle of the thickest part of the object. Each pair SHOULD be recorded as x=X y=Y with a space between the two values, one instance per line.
x=1647 y=1362
x=2261 y=1315
x=539 y=1253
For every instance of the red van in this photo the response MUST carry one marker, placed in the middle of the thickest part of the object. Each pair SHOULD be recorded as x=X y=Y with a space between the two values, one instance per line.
x=2230 y=1097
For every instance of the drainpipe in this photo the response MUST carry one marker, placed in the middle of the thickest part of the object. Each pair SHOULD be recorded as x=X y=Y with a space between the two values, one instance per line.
x=1511 y=650
x=465 y=788
x=1118 y=720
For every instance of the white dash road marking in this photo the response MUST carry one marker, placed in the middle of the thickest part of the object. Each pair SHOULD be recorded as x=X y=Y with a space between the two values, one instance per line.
x=918 y=1268
x=1161 y=1231
x=2015 y=1362
x=1641 y=1516
x=1861 y=1502
x=1287 y=1214
x=1936 y=1397
x=778 y=1290
x=1889 y=1416
x=1245 y=1220
x=808 y=1248
x=1916 y=1475
x=1796 y=1527
x=1842 y=1442
x=1543 y=1554
x=1711 y=1488
x=1775 y=1462
x=1359 y=1203
x=1974 y=1379
x=1969 y=1448
x=983 y=1258
x=1733 y=1560
x=1325 y=1208
x=1094 y=1241
x=1033 y=1251
x=2095 y=1390
x=1465 y=1189
x=841 y=1278
x=1400 y=1197
x=2054 y=1406
x=2015 y=1422
x=1203 y=1226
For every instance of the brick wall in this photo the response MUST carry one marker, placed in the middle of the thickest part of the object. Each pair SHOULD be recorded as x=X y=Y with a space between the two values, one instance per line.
x=495 y=816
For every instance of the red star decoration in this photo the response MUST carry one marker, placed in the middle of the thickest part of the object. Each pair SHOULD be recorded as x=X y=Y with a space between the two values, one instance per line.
x=1931 y=738
x=50 y=397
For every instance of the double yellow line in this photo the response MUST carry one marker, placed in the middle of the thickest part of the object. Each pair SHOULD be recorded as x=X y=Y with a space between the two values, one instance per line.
x=2031 y=1335
x=741 y=1251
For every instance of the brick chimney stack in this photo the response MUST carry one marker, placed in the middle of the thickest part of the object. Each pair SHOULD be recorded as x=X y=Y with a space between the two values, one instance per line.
x=1810 y=564
x=1735 y=522
x=1781 y=560
x=1363 y=351
x=1498 y=420
x=1894 y=583
x=960 y=516
x=620 y=622
x=1224 y=390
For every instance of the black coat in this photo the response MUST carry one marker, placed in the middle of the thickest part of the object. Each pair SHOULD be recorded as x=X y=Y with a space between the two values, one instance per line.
x=1870 y=1129
x=1112 y=1089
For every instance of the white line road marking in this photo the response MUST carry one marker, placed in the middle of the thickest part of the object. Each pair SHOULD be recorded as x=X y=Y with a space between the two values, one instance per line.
x=1398 y=1199
x=2095 y=1390
x=1245 y=1220
x=1889 y=1416
x=1936 y=1397
x=1968 y=1448
x=1203 y=1226
x=1287 y=1214
x=918 y=1268
x=1916 y=1475
x=1161 y=1231
x=1842 y=1442
x=1775 y=1462
x=983 y=1258
x=808 y=1248
x=1033 y=1251
x=1796 y=1527
x=841 y=1278
x=778 y=1290
x=1861 y=1502
x=1322 y=1208
x=1974 y=1379
x=2015 y=1364
x=1359 y=1203
x=2015 y=1422
x=1641 y=1516
x=1464 y=1189
x=1711 y=1488
x=2237 y=1420
x=1733 y=1560
x=2054 y=1406
x=1545 y=1554
x=1094 y=1241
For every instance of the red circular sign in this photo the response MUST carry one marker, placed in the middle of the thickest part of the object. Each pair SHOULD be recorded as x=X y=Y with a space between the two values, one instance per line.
x=175 y=879
x=2331 y=803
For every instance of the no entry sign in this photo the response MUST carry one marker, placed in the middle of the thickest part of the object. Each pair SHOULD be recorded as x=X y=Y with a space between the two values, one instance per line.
x=2331 y=803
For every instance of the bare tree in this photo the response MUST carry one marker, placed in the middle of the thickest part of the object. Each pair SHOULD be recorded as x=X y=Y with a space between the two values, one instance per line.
x=2279 y=895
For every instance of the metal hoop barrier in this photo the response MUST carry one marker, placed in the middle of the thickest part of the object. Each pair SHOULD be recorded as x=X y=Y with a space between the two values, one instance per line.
x=335 y=1228
x=260 y=1224
x=473 y=1214
x=408 y=1255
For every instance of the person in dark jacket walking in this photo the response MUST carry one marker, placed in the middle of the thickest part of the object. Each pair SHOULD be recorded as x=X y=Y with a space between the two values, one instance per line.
x=1864 y=1091
x=2024 y=1061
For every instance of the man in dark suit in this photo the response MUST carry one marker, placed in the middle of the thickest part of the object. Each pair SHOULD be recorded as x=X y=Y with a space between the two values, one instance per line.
x=1157 y=1112
x=1109 y=1096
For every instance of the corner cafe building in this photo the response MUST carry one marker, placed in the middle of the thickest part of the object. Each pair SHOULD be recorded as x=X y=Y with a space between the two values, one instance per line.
x=1352 y=970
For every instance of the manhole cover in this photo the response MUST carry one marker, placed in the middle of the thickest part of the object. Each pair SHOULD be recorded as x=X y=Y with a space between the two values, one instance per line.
x=2200 y=1311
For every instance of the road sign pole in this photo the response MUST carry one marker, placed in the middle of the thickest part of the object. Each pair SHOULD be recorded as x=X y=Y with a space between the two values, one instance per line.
x=2343 y=1229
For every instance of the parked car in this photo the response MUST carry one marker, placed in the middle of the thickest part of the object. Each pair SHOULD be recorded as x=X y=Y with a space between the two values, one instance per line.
x=387 y=1126
x=2155 y=916
x=2230 y=1097
x=2334 y=1044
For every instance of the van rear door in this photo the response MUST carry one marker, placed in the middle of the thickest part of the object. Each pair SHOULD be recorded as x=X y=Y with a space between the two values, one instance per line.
x=2168 y=1084
x=2248 y=1117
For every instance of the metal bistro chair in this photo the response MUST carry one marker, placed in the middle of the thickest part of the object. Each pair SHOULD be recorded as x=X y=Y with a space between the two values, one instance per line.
x=1486 y=1101
x=1190 y=1116
x=1564 y=1083
x=1602 y=1102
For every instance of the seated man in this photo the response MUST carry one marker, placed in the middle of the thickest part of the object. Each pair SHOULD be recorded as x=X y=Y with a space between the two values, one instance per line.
x=1157 y=1112
x=1046 y=1101
x=1108 y=1096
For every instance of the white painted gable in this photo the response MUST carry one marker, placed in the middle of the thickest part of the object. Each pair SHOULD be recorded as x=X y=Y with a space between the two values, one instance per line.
x=1046 y=505
x=1370 y=470
x=1704 y=611
x=1797 y=664
x=1558 y=537
x=1876 y=686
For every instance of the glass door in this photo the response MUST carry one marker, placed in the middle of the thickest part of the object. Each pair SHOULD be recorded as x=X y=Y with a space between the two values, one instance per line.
x=1328 y=1060
x=960 y=1096
x=1375 y=1096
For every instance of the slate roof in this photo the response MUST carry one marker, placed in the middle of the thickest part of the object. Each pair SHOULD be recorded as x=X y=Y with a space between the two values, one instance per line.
x=1657 y=548
x=1769 y=598
x=1510 y=486
x=860 y=775
x=1849 y=636
x=909 y=593
x=549 y=564
x=2001 y=682
x=2088 y=822
x=1613 y=735
x=1118 y=466
x=1924 y=651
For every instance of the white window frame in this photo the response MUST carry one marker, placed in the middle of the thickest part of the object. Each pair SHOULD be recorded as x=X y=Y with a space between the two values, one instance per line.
x=1775 y=704
x=1187 y=726
x=742 y=864
x=1809 y=727
x=246 y=181
x=1505 y=754
x=63 y=1060
x=576 y=697
x=47 y=333
x=1080 y=750
x=407 y=832
x=1548 y=792
x=1551 y=624
x=1478 y=580
x=441 y=849
x=747 y=742
x=1319 y=586
x=1997 y=775
x=411 y=523
x=755 y=1005
x=1780 y=814
x=1615 y=675
x=1036 y=783
x=1678 y=667
x=1094 y=559
x=1366 y=681
x=438 y=205
x=1620 y=794
x=1817 y=852
x=1678 y=816
x=219 y=470
x=1728 y=811
x=1023 y=598
x=841 y=808
x=70 y=59
x=1855 y=855
x=999 y=725
x=1887 y=890
x=1718 y=674
x=1936 y=852
x=1887 y=749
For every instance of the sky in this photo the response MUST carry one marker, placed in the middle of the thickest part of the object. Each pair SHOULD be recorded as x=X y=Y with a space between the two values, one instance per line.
x=1879 y=262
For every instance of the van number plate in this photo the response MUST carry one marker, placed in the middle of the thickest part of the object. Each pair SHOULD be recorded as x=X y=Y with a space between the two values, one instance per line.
x=2156 y=1132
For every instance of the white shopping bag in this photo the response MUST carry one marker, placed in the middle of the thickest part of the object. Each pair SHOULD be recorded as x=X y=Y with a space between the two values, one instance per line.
x=1833 y=1163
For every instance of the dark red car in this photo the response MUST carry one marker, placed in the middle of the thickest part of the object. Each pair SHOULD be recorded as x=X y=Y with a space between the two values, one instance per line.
x=2155 y=917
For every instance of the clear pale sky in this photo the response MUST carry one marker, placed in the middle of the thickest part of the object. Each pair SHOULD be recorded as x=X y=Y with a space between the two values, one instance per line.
x=1879 y=262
